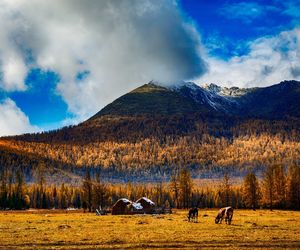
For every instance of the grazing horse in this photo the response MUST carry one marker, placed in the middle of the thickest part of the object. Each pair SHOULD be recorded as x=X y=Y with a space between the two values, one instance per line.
x=193 y=214
x=225 y=212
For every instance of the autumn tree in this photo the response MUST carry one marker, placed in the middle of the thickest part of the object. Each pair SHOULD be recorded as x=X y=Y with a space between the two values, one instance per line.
x=293 y=186
x=225 y=191
x=268 y=185
x=87 y=188
x=174 y=186
x=41 y=180
x=19 y=192
x=159 y=193
x=100 y=195
x=63 y=196
x=10 y=199
x=185 y=187
x=251 y=191
x=3 y=190
x=279 y=185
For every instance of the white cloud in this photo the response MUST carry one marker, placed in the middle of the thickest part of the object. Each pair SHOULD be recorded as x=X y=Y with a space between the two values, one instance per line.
x=14 y=73
x=12 y=120
x=122 y=43
x=269 y=61
x=12 y=62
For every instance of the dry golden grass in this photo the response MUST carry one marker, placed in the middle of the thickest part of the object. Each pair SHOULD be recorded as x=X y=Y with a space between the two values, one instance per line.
x=74 y=230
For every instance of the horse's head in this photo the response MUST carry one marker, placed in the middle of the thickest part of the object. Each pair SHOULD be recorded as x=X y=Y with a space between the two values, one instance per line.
x=217 y=219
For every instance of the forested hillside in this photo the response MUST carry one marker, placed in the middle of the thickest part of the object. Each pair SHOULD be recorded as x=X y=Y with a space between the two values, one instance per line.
x=147 y=133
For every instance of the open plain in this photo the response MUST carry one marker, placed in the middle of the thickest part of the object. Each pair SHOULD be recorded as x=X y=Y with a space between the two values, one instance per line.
x=50 y=229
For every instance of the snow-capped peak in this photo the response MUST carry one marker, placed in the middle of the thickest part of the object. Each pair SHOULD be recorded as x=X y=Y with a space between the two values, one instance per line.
x=211 y=87
x=225 y=91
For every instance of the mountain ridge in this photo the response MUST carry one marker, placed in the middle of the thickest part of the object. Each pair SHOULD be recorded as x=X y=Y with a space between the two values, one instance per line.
x=187 y=97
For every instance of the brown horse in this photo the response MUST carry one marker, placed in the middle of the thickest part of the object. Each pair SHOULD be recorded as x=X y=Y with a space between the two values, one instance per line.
x=193 y=214
x=225 y=212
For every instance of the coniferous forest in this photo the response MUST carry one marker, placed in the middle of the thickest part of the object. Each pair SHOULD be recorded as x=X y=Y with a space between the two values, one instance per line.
x=278 y=188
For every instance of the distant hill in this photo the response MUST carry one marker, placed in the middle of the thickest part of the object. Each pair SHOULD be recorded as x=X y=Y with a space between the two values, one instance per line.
x=152 y=130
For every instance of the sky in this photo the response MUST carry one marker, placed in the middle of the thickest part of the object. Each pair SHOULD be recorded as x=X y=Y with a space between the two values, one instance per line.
x=61 y=61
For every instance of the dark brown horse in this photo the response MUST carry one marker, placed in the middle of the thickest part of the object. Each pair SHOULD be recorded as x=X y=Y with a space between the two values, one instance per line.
x=193 y=214
x=224 y=213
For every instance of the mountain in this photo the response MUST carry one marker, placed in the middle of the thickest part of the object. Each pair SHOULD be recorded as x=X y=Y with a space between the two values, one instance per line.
x=154 y=129
x=275 y=102
x=153 y=99
x=211 y=101
x=279 y=101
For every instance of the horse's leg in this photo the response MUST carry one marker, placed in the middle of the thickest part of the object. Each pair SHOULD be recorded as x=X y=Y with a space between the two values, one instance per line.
x=230 y=218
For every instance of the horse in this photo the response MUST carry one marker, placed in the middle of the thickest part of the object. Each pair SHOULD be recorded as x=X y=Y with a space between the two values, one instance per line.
x=225 y=212
x=193 y=214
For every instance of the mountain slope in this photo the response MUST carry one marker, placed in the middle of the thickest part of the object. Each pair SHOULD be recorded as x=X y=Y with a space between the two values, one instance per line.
x=146 y=133
x=153 y=99
x=275 y=102
x=207 y=97
x=183 y=109
x=278 y=101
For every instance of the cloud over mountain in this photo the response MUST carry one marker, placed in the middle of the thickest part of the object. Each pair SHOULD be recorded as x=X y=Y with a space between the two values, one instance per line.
x=100 y=49
x=270 y=60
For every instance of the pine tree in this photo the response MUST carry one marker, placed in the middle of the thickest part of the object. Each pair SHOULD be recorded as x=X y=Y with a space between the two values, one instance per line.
x=280 y=185
x=185 y=187
x=42 y=183
x=63 y=197
x=10 y=198
x=293 y=186
x=174 y=186
x=3 y=191
x=20 y=190
x=159 y=193
x=87 y=188
x=268 y=185
x=99 y=193
x=251 y=191
x=225 y=191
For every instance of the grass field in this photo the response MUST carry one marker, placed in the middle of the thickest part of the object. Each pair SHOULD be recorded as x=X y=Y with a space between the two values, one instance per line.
x=259 y=229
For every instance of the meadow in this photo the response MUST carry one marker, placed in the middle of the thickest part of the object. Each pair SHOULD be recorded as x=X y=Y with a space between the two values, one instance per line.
x=46 y=229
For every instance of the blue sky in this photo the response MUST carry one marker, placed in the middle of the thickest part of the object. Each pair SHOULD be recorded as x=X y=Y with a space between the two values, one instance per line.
x=61 y=62
x=233 y=24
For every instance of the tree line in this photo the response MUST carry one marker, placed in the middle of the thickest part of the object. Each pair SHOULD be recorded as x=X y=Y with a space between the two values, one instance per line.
x=278 y=188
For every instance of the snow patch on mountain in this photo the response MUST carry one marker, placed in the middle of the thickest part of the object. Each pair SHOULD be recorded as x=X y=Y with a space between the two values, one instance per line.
x=224 y=91
x=206 y=96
